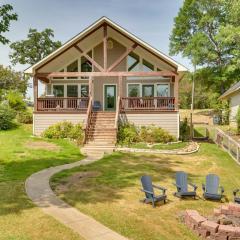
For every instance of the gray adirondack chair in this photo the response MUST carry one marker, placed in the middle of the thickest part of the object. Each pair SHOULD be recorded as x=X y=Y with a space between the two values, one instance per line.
x=182 y=186
x=148 y=189
x=211 y=189
x=236 y=196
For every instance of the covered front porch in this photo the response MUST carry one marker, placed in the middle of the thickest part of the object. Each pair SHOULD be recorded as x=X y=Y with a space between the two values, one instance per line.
x=151 y=91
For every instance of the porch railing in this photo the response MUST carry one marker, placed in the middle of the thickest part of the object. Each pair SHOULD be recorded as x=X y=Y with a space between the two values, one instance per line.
x=62 y=104
x=88 y=119
x=148 y=103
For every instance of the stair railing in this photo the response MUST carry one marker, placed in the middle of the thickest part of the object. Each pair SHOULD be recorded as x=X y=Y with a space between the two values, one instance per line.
x=117 y=112
x=88 y=119
x=117 y=115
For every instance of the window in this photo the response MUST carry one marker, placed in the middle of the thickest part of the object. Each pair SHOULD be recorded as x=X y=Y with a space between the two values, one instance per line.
x=72 y=90
x=48 y=89
x=58 y=90
x=147 y=66
x=84 y=90
x=163 y=90
x=86 y=65
x=73 y=67
x=148 y=90
x=133 y=62
x=133 y=90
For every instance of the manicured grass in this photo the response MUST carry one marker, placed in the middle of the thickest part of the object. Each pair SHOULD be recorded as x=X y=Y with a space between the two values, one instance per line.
x=108 y=190
x=19 y=218
x=160 y=146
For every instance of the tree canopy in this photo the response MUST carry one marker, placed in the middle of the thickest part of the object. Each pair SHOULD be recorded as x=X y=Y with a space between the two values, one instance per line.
x=37 y=46
x=208 y=33
x=12 y=80
x=6 y=16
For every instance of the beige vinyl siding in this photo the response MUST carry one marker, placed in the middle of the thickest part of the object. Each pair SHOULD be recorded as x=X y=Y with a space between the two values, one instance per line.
x=42 y=121
x=234 y=104
x=165 y=120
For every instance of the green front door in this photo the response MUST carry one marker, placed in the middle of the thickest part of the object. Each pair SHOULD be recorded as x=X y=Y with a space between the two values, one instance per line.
x=109 y=97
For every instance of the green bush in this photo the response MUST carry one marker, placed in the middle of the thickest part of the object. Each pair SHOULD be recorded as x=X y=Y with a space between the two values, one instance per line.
x=7 y=115
x=77 y=133
x=15 y=101
x=184 y=130
x=65 y=130
x=238 y=120
x=129 y=134
x=153 y=134
x=25 y=117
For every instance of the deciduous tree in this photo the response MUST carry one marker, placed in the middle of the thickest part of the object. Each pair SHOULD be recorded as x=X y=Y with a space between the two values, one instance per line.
x=6 y=16
x=37 y=46
x=208 y=33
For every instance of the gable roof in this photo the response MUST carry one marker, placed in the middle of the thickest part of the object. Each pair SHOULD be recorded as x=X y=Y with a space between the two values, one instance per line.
x=94 y=26
x=233 y=89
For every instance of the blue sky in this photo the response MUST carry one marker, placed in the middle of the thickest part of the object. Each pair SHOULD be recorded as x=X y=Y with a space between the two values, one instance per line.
x=152 y=20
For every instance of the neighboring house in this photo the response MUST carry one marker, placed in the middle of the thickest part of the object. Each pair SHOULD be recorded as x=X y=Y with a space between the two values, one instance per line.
x=233 y=95
x=104 y=74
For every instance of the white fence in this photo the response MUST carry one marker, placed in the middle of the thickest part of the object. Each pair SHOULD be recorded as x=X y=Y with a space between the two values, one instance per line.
x=228 y=143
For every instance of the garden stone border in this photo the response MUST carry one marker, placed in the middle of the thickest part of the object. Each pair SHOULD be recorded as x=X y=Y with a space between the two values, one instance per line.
x=193 y=146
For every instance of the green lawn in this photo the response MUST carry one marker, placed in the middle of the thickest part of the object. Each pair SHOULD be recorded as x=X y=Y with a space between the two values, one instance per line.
x=108 y=190
x=19 y=218
x=160 y=146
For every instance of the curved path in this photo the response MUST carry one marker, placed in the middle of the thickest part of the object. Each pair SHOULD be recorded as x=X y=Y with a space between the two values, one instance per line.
x=39 y=191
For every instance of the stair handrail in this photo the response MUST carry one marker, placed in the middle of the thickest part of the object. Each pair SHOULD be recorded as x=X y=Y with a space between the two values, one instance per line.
x=89 y=111
x=117 y=112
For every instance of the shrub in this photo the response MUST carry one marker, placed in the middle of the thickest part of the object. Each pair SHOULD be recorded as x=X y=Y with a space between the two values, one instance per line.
x=127 y=134
x=77 y=133
x=7 y=116
x=238 y=120
x=15 y=101
x=184 y=130
x=153 y=134
x=25 y=117
x=65 y=130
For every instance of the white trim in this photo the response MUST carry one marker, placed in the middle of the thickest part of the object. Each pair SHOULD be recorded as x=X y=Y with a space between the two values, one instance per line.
x=169 y=90
x=140 y=84
x=31 y=70
x=109 y=84
x=65 y=87
x=154 y=90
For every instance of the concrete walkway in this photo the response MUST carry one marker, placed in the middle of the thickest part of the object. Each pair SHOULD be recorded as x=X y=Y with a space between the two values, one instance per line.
x=39 y=191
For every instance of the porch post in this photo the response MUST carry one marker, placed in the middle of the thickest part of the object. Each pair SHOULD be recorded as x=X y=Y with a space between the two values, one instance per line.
x=35 y=92
x=120 y=86
x=90 y=86
x=176 y=91
x=105 y=47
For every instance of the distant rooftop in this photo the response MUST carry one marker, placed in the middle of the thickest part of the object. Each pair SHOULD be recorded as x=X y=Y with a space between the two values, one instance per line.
x=233 y=89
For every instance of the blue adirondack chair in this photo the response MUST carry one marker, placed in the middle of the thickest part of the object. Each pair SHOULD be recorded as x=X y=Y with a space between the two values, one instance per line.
x=96 y=106
x=182 y=186
x=236 y=197
x=148 y=189
x=211 y=189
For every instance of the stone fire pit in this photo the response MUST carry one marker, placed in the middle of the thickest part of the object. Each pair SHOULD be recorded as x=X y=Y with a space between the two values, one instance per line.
x=223 y=225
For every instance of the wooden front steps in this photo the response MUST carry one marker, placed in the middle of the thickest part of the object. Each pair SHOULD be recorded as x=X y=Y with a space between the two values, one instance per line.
x=101 y=134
